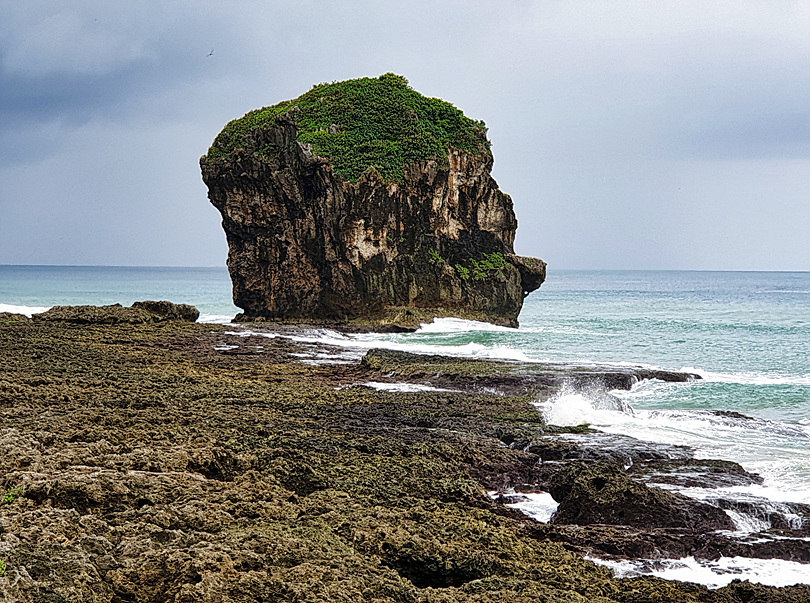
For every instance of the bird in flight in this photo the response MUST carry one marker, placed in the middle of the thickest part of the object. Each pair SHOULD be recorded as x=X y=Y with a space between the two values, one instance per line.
x=211 y=53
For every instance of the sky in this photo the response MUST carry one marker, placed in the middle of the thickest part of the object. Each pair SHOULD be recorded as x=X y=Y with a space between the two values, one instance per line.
x=630 y=135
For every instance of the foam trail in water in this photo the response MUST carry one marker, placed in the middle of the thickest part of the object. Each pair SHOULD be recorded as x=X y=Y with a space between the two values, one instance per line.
x=404 y=387
x=26 y=310
x=221 y=319
x=716 y=573
x=459 y=325
x=370 y=341
x=748 y=378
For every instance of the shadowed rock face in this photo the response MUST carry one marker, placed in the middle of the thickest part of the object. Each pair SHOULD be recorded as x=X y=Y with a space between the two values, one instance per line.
x=305 y=243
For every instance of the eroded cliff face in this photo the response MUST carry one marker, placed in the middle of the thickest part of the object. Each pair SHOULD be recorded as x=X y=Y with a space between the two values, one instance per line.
x=306 y=244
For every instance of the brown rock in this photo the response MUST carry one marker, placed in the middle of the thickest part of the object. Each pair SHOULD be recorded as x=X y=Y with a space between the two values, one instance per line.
x=8 y=317
x=305 y=243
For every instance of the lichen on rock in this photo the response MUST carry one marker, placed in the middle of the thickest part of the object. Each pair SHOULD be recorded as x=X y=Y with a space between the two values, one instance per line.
x=364 y=200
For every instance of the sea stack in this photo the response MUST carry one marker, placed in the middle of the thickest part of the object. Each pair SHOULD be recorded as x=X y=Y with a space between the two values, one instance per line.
x=363 y=201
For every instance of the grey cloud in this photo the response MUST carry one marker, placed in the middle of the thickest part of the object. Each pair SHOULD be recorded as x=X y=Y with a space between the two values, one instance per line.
x=622 y=130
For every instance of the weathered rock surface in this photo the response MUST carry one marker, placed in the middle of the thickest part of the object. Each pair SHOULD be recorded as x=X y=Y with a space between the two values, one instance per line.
x=305 y=243
x=138 y=313
x=511 y=377
x=601 y=493
x=148 y=463
x=12 y=317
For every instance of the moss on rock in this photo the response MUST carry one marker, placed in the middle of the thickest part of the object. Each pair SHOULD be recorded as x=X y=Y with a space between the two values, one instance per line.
x=379 y=123
x=154 y=465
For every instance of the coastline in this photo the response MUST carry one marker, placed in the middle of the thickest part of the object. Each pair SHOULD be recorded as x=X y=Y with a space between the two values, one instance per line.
x=173 y=461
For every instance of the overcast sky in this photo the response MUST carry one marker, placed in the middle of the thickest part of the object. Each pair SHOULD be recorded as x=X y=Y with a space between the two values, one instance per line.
x=671 y=135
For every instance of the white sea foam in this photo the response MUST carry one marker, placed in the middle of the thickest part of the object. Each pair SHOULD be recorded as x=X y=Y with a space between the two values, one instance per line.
x=423 y=341
x=222 y=319
x=404 y=387
x=250 y=333
x=571 y=407
x=458 y=325
x=715 y=573
x=365 y=342
x=537 y=505
x=569 y=410
x=748 y=378
x=778 y=451
x=26 y=310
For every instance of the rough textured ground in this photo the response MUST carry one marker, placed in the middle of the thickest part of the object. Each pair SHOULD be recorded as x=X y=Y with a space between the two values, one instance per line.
x=140 y=464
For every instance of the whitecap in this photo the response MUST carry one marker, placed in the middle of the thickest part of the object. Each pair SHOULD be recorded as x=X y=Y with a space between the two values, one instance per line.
x=459 y=325
x=26 y=310
x=404 y=387
x=714 y=573
x=749 y=378
x=221 y=319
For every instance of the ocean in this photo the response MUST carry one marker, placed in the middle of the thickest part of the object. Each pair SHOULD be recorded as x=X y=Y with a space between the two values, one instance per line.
x=27 y=289
x=746 y=333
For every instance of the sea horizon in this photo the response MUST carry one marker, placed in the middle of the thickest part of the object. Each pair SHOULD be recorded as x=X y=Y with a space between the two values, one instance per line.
x=554 y=269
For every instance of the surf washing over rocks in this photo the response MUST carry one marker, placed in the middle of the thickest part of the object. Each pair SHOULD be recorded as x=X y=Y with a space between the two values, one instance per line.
x=746 y=335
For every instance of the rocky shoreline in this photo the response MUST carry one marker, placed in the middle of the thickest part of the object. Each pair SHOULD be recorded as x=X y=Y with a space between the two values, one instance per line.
x=157 y=459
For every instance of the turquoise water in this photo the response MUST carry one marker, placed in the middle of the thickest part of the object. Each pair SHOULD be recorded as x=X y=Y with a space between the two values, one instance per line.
x=746 y=333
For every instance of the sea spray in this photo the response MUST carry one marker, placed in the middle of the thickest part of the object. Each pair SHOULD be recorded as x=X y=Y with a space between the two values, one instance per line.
x=573 y=406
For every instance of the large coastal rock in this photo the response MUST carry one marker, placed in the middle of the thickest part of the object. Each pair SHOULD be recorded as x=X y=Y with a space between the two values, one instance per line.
x=323 y=225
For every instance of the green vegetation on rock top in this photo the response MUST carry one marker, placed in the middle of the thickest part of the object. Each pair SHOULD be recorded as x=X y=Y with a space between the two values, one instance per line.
x=369 y=122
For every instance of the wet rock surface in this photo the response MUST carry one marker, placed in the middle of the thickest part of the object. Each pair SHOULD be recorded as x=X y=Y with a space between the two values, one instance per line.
x=514 y=378
x=151 y=462
x=602 y=493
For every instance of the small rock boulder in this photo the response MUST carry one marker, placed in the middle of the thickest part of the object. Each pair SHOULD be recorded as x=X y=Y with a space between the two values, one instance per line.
x=602 y=493
x=138 y=313
x=169 y=311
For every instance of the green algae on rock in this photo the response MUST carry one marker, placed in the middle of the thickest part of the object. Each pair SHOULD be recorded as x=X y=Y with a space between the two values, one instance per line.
x=156 y=465
x=138 y=313
x=368 y=122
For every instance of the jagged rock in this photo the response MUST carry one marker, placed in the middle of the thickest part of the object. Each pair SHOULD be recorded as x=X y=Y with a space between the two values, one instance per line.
x=168 y=310
x=398 y=245
x=601 y=493
x=138 y=313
